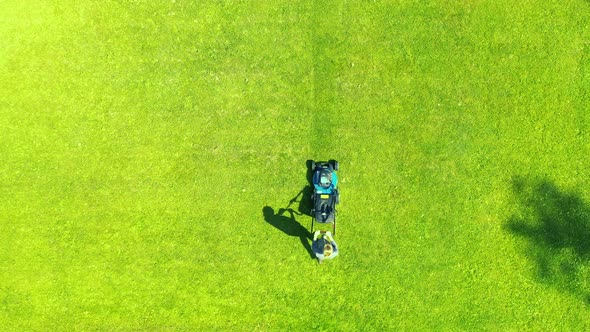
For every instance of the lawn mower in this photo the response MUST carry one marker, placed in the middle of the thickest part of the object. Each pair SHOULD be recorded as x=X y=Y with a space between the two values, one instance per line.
x=325 y=193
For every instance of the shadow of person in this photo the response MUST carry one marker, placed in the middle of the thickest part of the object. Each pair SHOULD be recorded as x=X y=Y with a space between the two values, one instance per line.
x=288 y=225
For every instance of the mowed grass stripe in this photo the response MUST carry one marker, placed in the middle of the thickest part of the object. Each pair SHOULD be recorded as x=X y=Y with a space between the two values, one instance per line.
x=157 y=187
x=454 y=156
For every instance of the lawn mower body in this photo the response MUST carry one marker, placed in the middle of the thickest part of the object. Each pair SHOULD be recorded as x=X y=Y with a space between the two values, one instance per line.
x=325 y=195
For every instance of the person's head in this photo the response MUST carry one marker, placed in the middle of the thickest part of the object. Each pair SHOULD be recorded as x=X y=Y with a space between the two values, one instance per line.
x=268 y=212
x=328 y=250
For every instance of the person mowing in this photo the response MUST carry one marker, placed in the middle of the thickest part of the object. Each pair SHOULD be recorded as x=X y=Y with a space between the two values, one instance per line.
x=324 y=246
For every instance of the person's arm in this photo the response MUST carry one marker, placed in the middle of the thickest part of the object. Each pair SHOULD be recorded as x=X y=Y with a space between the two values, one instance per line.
x=316 y=235
x=335 y=251
x=329 y=236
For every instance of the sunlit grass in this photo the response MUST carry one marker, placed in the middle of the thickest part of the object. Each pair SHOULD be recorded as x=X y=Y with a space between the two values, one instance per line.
x=142 y=140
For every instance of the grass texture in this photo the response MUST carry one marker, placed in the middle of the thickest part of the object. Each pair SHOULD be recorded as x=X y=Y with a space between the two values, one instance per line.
x=141 y=142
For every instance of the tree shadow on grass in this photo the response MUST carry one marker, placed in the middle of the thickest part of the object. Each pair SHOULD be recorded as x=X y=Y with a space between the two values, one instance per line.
x=288 y=225
x=556 y=226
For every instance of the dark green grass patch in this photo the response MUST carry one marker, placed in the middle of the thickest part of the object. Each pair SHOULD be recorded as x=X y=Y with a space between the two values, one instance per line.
x=556 y=224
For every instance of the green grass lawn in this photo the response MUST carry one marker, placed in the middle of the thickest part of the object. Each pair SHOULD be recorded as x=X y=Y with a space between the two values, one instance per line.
x=142 y=140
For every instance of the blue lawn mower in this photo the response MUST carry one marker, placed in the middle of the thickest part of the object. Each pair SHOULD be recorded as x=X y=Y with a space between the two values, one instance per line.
x=325 y=193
